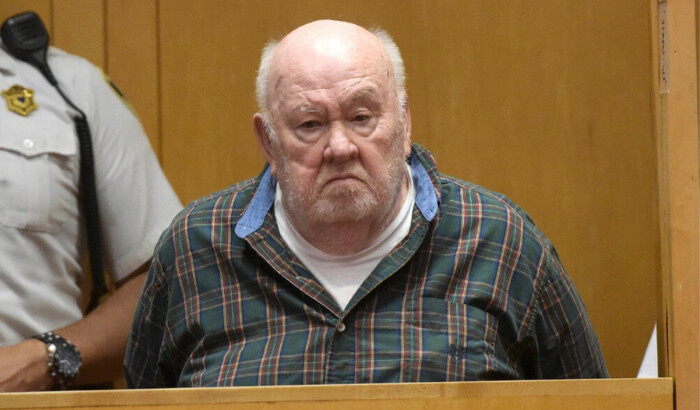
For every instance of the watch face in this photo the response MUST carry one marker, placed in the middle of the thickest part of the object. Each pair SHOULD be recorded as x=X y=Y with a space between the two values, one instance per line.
x=67 y=360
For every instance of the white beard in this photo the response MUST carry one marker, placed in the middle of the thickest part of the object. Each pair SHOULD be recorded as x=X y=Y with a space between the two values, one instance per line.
x=366 y=198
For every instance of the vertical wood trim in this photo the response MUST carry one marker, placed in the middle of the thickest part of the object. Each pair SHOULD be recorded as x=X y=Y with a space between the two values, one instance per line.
x=679 y=166
x=659 y=106
x=132 y=59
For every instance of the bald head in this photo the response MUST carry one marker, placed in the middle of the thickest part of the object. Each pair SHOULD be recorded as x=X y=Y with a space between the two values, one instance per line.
x=335 y=41
x=324 y=47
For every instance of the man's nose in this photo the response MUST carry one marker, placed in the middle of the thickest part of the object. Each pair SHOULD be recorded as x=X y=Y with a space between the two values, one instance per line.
x=340 y=147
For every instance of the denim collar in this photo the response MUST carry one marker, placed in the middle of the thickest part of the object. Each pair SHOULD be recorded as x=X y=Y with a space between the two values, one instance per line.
x=264 y=198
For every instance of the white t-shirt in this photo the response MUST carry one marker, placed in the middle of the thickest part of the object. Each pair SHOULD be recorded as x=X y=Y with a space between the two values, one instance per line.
x=42 y=235
x=650 y=362
x=343 y=275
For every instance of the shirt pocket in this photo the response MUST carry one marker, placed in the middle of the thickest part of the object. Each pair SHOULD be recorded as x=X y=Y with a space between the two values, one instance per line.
x=38 y=175
x=456 y=340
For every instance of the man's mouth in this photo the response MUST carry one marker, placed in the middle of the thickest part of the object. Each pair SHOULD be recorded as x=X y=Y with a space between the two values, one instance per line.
x=342 y=179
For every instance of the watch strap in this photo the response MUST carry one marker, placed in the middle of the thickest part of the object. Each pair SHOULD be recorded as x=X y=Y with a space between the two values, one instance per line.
x=57 y=347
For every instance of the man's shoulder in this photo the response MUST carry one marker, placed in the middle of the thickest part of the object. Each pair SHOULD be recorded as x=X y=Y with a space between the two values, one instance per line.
x=232 y=200
x=195 y=222
x=499 y=221
x=458 y=189
x=199 y=226
x=486 y=204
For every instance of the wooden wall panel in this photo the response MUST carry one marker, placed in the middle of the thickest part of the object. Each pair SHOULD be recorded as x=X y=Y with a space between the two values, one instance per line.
x=41 y=7
x=132 y=59
x=78 y=27
x=207 y=93
x=546 y=102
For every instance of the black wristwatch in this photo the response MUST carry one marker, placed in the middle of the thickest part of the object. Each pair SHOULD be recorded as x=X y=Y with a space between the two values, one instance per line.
x=64 y=359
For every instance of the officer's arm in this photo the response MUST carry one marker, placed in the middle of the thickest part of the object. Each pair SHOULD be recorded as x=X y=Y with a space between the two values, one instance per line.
x=101 y=336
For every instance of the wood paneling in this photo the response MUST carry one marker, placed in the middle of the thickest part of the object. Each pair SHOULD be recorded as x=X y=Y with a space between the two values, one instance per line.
x=41 y=7
x=132 y=59
x=207 y=77
x=78 y=27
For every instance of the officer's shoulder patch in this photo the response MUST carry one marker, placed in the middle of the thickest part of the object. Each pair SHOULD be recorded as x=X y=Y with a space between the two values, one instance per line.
x=119 y=93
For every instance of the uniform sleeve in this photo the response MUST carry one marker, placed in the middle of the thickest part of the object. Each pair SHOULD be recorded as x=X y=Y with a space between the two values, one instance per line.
x=136 y=202
x=567 y=344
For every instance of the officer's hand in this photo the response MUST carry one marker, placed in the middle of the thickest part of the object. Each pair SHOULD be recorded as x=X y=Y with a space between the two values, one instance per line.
x=24 y=367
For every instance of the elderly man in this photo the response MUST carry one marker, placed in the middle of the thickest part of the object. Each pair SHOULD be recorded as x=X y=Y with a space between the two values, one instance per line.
x=350 y=259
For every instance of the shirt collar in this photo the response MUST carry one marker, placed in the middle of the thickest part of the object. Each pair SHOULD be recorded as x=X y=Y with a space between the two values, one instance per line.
x=424 y=178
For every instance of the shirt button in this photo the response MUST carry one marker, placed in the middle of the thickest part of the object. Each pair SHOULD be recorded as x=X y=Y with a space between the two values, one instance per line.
x=341 y=327
x=28 y=143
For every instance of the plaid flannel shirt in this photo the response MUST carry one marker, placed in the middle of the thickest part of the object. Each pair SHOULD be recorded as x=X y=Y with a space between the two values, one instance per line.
x=473 y=292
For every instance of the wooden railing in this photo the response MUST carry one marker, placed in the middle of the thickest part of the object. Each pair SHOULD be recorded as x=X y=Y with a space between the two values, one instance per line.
x=636 y=394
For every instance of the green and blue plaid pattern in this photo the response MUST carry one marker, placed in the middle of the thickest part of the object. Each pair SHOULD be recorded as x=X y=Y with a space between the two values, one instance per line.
x=474 y=292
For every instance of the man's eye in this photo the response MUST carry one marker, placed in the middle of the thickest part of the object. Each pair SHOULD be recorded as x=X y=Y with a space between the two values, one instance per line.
x=360 y=118
x=310 y=124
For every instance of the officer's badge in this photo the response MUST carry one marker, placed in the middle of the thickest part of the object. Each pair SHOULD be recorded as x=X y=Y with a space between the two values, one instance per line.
x=20 y=100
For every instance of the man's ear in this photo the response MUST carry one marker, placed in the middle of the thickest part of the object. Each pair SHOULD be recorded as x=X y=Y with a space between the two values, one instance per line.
x=407 y=126
x=264 y=142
